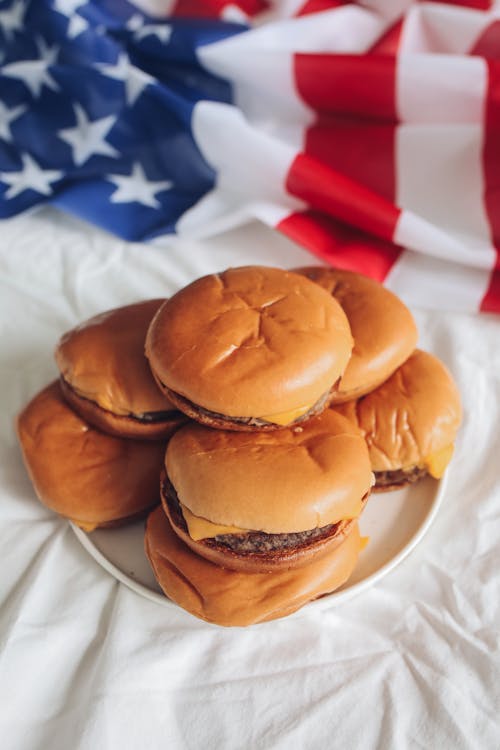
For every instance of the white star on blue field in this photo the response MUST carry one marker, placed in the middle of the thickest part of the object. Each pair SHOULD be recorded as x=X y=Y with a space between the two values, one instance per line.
x=96 y=100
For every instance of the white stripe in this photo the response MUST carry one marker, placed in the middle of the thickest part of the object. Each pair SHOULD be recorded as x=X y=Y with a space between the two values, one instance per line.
x=440 y=176
x=251 y=166
x=159 y=8
x=440 y=88
x=442 y=28
x=262 y=81
x=247 y=161
x=217 y=211
x=440 y=183
x=260 y=63
x=429 y=282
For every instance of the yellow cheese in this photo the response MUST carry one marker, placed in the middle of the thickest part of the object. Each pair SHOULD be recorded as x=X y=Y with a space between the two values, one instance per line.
x=363 y=542
x=200 y=528
x=437 y=462
x=287 y=417
x=84 y=525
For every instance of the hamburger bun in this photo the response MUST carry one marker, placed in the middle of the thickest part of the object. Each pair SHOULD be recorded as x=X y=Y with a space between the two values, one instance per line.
x=94 y=479
x=410 y=422
x=231 y=598
x=252 y=348
x=259 y=502
x=105 y=376
x=383 y=329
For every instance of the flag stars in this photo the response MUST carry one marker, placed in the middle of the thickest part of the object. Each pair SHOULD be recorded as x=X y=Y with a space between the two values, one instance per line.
x=87 y=138
x=134 y=79
x=34 y=73
x=12 y=19
x=30 y=177
x=68 y=7
x=6 y=117
x=162 y=31
x=135 y=22
x=136 y=188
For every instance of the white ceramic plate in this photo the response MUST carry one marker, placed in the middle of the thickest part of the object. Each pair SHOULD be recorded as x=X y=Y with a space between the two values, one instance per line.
x=394 y=521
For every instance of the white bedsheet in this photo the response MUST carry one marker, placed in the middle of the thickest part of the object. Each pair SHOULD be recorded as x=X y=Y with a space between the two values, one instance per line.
x=86 y=663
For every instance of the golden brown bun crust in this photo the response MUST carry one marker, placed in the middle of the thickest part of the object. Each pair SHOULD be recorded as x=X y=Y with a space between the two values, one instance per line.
x=383 y=328
x=414 y=414
x=276 y=482
x=219 y=422
x=103 y=360
x=125 y=427
x=229 y=598
x=262 y=562
x=250 y=342
x=81 y=473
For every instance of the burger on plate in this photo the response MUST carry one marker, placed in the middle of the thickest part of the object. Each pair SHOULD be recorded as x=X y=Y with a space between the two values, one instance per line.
x=253 y=348
x=410 y=422
x=94 y=479
x=383 y=329
x=106 y=377
x=260 y=502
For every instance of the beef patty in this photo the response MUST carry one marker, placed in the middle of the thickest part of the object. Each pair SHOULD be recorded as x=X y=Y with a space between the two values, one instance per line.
x=393 y=480
x=251 y=542
x=241 y=424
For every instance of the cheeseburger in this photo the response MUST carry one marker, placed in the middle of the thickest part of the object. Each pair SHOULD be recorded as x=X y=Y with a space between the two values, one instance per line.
x=383 y=329
x=94 y=479
x=252 y=348
x=230 y=597
x=410 y=422
x=105 y=376
x=266 y=501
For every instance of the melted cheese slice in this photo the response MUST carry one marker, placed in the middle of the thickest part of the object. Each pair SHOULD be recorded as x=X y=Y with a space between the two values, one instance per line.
x=287 y=417
x=437 y=462
x=84 y=525
x=200 y=528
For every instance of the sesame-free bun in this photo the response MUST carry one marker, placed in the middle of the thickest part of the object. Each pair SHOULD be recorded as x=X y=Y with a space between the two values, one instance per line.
x=383 y=329
x=106 y=377
x=249 y=342
x=309 y=479
x=231 y=598
x=90 y=477
x=410 y=421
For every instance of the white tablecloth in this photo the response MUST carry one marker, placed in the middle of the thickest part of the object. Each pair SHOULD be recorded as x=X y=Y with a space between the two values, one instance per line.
x=87 y=663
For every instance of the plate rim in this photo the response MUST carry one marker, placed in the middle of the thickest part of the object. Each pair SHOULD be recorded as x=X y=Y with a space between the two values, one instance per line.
x=325 y=602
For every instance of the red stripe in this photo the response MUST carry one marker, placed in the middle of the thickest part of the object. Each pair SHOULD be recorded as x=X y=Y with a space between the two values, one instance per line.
x=475 y=4
x=491 y=161
x=388 y=44
x=362 y=150
x=339 y=197
x=316 y=6
x=339 y=245
x=362 y=85
x=488 y=44
x=214 y=8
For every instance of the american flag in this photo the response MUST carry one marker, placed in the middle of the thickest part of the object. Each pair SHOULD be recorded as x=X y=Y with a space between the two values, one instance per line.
x=367 y=132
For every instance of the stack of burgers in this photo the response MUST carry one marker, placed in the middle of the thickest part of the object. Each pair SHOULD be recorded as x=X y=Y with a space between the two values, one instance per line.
x=267 y=406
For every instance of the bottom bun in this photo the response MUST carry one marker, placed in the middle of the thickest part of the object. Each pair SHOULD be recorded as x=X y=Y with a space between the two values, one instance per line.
x=162 y=427
x=93 y=479
x=301 y=551
x=231 y=598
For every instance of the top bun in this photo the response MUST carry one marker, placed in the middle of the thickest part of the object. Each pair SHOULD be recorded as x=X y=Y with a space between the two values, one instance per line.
x=411 y=418
x=276 y=482
x=383 y=328
x=103 y=361
x=250 y=342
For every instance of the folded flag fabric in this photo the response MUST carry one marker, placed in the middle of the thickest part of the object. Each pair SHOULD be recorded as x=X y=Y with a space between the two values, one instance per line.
x=368 y=132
